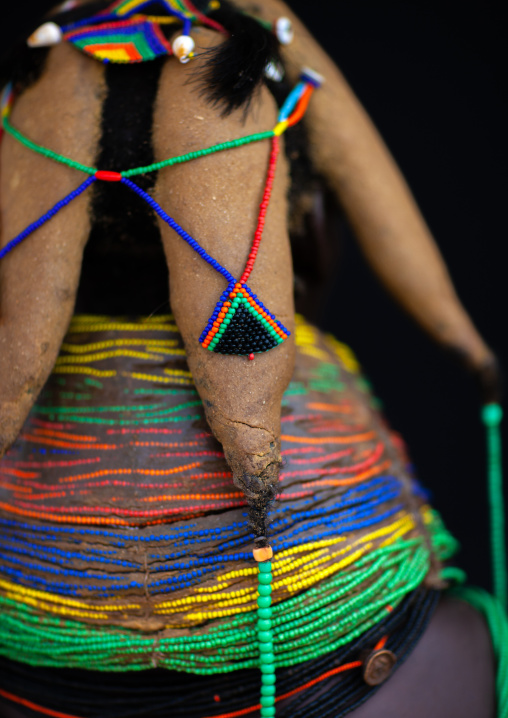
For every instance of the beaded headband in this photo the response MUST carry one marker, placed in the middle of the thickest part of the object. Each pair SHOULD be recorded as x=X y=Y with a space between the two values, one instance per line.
x=125 y=33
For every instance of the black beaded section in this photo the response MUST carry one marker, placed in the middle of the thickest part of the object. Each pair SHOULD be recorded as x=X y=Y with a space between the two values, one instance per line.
x=245 y=335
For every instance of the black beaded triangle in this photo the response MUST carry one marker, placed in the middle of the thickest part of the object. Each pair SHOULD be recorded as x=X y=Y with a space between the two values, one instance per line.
x=241 y=324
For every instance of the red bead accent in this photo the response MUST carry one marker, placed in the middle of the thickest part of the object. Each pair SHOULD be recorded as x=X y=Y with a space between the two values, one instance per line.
x=108 y=176
x=251 y=357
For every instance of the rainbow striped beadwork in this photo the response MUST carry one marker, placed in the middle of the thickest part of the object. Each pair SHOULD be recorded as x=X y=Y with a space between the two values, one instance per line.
x=124 y=544
x=123 y=41
x=124 y=33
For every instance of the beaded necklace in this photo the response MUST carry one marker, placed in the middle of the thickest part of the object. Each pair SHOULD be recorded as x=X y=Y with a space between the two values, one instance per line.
x=240 y=324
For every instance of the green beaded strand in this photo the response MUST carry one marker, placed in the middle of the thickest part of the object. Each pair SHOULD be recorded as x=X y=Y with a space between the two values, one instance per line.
x=44 y=151
x=491 y=418
x=230 y=144
x=265 y=640
x=221 y=146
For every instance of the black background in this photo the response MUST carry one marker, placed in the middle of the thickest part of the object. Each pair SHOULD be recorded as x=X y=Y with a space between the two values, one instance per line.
x=433 y=78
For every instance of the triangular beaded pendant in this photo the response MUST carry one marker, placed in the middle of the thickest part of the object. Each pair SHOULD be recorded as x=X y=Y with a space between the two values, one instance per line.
x=241 y=324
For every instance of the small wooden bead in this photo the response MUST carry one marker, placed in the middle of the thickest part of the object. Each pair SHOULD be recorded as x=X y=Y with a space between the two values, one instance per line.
x=263 y=554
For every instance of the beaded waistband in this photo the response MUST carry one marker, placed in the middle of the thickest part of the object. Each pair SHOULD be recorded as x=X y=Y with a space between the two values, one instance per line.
x=123 y=545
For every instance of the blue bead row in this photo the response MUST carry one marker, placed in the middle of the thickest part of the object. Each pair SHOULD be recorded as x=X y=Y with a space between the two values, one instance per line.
x=45 y=217
x=179 y=230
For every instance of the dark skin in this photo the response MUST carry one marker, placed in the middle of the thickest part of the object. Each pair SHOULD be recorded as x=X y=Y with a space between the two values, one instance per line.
x=38 y=282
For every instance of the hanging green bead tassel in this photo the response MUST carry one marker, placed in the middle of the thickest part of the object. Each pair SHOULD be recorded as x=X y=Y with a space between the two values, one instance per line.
x=265 y=639
x=491 y=418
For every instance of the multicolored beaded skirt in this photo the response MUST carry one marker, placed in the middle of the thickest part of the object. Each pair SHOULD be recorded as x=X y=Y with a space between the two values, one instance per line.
x=125 y=545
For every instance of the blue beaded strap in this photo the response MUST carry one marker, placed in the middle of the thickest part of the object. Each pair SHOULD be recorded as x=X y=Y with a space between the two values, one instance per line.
x=46 y=217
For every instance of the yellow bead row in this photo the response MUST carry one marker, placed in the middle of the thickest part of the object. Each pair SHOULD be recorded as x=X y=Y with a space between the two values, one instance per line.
x=160 y=379
x=344 y=354
x=123 y=327
x=101 y=356
x=103 y=373
x=22 y=593
x=107 y=344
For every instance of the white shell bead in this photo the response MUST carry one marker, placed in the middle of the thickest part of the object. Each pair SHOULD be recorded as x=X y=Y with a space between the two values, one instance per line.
x=46 y=35
x=182 y=46
x=284 y=30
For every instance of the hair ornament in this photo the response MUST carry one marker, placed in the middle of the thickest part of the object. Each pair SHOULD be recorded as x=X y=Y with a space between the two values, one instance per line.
x=46 y=35
x=129 y=31
x=283 y=28
x=274 y=71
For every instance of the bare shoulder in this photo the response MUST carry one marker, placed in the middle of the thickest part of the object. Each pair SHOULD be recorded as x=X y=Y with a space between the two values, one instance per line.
x=451 y=672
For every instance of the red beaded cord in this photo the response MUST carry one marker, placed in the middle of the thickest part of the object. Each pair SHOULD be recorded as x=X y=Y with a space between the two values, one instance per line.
x=262 y=210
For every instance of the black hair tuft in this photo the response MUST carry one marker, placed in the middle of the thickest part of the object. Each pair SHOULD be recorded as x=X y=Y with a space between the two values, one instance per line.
x=236 y=68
